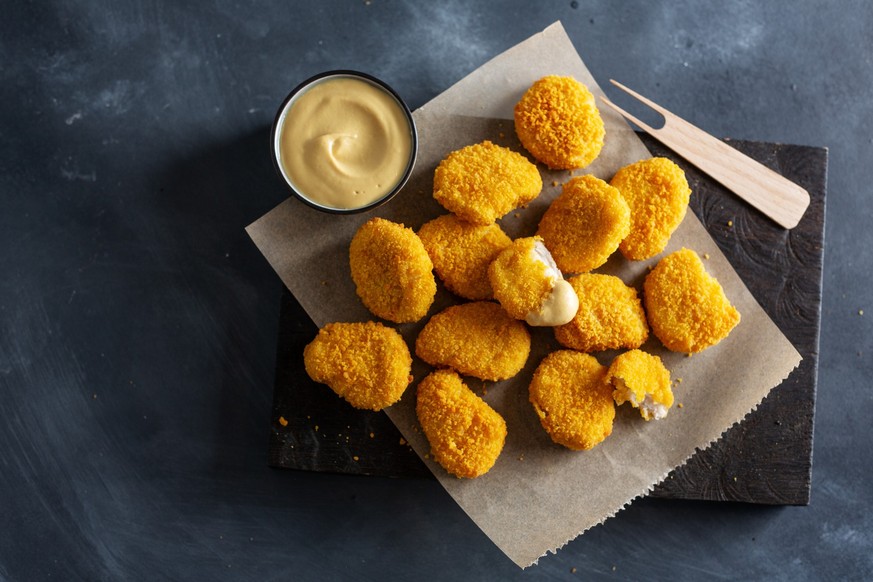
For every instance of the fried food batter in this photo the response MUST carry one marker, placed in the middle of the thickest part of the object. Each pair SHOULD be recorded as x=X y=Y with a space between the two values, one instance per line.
x=528 y=284
x=641 y=379
x=392 y=271
x=461 y=253
x=482 y=182
x=585 y=224
x=571 y=397
x=367 y=364
x=657 y=193
x=610 y=316
x=558 y=122
x=466 y=435
x=477 y=339
x=687 y=307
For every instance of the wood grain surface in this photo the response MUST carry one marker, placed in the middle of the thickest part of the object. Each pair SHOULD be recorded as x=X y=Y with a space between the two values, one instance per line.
x=765 y=459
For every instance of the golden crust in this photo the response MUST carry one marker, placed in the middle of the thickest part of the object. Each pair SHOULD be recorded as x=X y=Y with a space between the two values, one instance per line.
x=636 y=375
x=657 y=193
x=466 y=435
x=482 y=182
x=367 y=364
x=558 y=122
x=392 y=271
x=519 y=281
x=687 y=307
x=477 y=339
x=585 y=224
x=570 y=396
x=461 y=253
x=610 y=316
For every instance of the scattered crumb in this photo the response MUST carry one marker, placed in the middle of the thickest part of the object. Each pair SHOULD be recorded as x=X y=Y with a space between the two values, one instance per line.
x=735 y=479
x=402 y=441
x=706 y=256
x=94 y=396
x=282 y=421
x=501 y=134
x=517 y=215
x=678 y=380
x=573 y=570
x=860 y=312
x=372 y=435
x=688 y=355
x=356 y=458
x=308 y=417
x=680 y=405
x=324 y=283
x=554 y=182
x=613 y=568
x=521 y=457
x=427 y=455
x=316 y=428
x=730 y=223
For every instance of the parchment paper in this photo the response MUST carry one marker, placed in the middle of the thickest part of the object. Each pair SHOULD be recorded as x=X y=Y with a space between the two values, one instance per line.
x=539 y=495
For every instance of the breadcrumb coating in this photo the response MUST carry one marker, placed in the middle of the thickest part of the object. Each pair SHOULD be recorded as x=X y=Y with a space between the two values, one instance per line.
x=461 y=253
x=585 y=224
x=367 y=364
x=477 y=339
x=520 y=282
x=657 y=193
x=466 y=435
x=482 y=182
x=558 y=122
x=687 y=307
x=572 y=399
x=392 y=271
x=643 y=380
x=610 y=316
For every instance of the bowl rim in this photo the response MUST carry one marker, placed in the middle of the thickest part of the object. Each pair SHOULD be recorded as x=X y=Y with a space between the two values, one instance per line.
x=348 y=73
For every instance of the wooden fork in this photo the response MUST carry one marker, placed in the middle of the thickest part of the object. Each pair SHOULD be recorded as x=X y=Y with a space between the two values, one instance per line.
x=778 y=198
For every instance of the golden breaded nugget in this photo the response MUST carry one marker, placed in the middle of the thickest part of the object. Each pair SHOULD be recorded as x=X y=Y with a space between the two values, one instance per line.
x=461 y=253
x=687 y=307
x=558 y=122
x=477 y=339
x=641 y=379
x=367 y=364
x=610 y=316
x=528 y=284
x=585 y=224
x=570 y=395
x=657 y=193
x=482 y=182
x=392 y=272
x=466 y=435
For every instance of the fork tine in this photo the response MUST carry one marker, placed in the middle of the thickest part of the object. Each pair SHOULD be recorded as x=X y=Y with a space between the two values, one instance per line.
x=648 y=102
x=627 y=115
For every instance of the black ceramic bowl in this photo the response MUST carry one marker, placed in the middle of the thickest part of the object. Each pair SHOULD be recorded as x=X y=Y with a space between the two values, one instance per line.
x=275 y=135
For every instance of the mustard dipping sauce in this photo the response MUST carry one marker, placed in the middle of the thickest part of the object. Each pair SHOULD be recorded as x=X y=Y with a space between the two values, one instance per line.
x=344 y=142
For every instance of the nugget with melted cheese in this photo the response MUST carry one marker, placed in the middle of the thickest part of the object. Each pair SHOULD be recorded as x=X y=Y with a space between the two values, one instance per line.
x=657 y=193
x=585 y=224
x=528 y=284
x=392 y=271
x=610 y=316
x=477 y=339
x=367 y=364
x=686 y=306
x=482 y=182
x=461 y=253
x=641 y=379
x=558 y=122
x=466 y=435
x=572 y=399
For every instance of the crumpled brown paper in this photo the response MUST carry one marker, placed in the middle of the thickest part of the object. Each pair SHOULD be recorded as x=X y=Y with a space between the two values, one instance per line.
x=539 y=495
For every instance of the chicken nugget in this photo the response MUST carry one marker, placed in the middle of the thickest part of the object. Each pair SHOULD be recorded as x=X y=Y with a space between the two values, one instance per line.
x=466 y=435
x=461 y=253
x=528 y=284
x=558 y=122
x=610 y=316
x=392 y=271
x=367 y=364
x=585 y=224
x=642 y=380
x=482 y=182
x=572 y=399
x=687 y=308
x=477 y=339
x=657 y=193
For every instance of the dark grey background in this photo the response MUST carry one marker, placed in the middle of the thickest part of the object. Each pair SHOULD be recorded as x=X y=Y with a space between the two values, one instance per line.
x=138 y=322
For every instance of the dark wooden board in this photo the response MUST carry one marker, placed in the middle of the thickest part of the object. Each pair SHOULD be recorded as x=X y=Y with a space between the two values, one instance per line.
x=765 y=459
